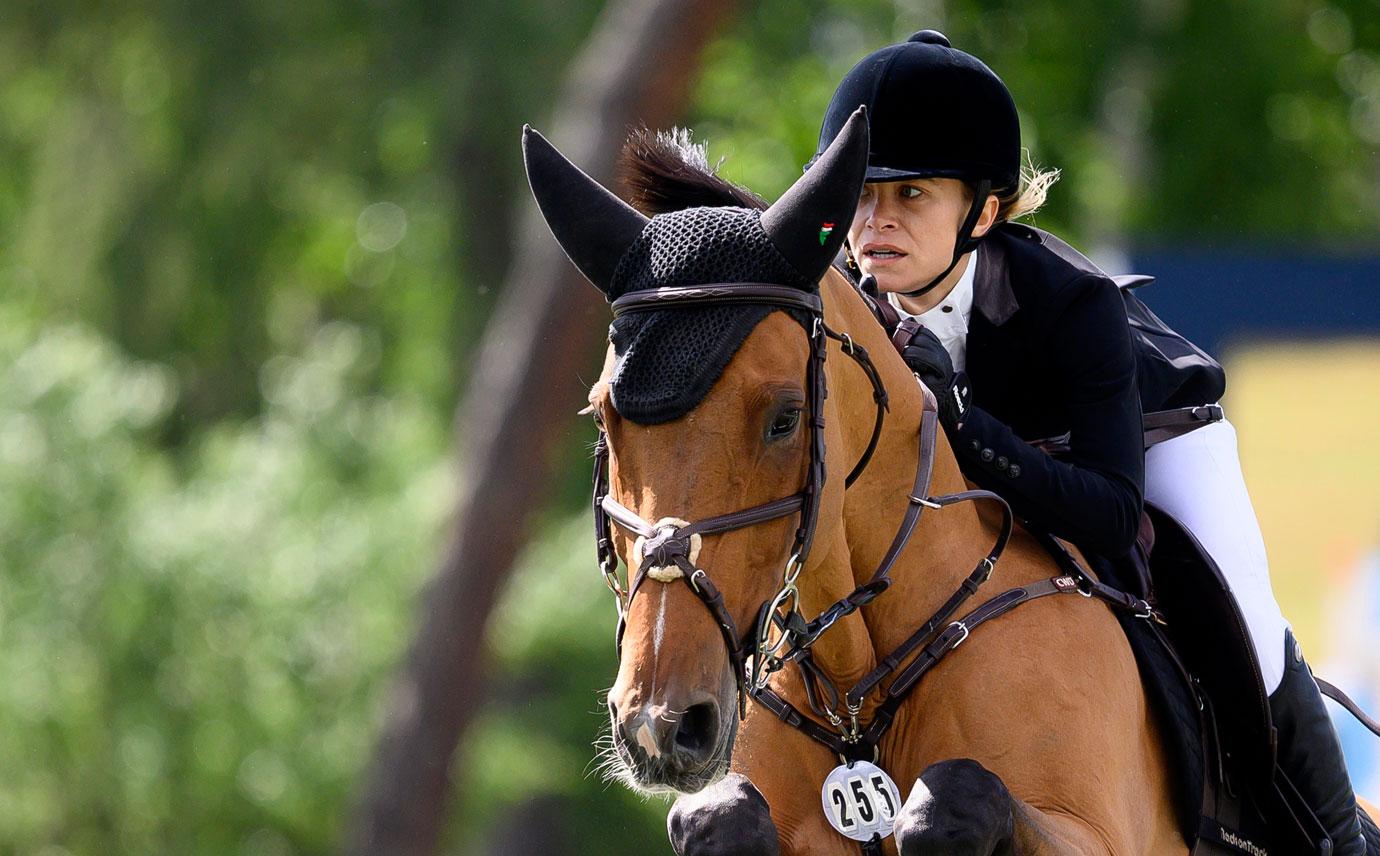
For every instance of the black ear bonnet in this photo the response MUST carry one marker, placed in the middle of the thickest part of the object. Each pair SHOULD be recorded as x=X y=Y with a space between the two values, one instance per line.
x=669 y=359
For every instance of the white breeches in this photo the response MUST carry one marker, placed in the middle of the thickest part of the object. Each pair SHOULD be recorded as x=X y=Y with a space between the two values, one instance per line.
x=1197 y=478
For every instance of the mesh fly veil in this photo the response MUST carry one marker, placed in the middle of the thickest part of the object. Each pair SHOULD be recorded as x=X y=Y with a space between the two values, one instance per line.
x=667 y=360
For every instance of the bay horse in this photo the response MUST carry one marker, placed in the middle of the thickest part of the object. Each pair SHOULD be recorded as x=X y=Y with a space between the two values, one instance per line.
x=1035 y=738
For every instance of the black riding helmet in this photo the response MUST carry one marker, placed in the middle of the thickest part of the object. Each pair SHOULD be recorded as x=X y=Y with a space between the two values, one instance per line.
x=934 y=112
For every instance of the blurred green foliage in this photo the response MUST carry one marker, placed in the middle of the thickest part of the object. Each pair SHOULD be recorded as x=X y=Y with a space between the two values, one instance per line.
x=190 y=647
x=243 y=251
x=1172 y=120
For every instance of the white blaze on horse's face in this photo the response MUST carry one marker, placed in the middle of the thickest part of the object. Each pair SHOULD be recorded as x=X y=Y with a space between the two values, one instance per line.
x=674 y=705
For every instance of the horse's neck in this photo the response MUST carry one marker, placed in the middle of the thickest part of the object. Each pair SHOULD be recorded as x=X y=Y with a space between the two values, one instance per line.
x=928 y=570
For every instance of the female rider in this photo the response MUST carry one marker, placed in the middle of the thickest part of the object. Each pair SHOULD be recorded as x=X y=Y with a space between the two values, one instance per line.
x=1021 y=338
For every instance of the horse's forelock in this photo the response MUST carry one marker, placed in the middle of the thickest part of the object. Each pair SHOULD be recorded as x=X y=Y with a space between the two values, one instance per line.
x=667 y=171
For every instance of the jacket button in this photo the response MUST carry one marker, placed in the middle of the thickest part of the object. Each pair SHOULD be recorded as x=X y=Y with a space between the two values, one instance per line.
x=987 y=455
x=976 y=445
x=1002 y=462
x=1014 y=471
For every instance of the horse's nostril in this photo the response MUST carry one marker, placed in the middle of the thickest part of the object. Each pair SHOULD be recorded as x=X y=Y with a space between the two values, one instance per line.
x=698 y=727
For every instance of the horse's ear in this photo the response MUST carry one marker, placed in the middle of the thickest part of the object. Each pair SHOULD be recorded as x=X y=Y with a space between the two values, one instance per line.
x=593 y=226
x=810 y=220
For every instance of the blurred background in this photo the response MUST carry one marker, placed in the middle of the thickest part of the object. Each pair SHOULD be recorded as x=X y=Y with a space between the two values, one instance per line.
x=294 y=553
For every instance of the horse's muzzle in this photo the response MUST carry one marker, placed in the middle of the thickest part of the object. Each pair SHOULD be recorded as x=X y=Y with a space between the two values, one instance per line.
x=678 y=750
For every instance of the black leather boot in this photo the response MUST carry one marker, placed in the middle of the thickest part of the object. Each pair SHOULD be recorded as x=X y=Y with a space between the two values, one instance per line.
x=1311 y=755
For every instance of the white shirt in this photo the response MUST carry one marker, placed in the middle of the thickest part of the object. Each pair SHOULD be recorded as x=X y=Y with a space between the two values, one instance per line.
x=949 y=318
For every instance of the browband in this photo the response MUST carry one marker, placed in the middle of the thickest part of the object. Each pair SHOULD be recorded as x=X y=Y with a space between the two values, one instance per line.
x=718 y=294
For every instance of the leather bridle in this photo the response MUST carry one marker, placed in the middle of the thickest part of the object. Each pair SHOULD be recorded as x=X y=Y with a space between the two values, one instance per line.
x=669 y=547
x=667 y=544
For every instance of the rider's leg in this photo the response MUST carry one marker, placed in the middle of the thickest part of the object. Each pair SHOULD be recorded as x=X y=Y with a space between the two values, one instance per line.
x=1197 y=479
x=1310 y=754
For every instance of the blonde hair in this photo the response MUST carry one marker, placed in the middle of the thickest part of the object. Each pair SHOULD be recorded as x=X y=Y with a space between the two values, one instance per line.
x=1029 y=195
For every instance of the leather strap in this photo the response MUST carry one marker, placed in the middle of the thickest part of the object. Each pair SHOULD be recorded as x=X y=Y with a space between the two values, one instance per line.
x=719 y=294
x=1159 y=425
x=886 y=314
x=860 y=746
x=630 y=520
x=878 y=582
x=787 y=713
x=939 y=639
x=904 y=332
x=879 y=396
x=1162 y=425
x=1345 y=701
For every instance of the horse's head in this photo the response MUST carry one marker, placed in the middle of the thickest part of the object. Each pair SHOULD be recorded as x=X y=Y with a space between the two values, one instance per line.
x=705 y=405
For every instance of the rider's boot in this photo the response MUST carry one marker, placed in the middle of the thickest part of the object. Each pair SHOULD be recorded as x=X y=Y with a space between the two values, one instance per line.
x=1310 y=753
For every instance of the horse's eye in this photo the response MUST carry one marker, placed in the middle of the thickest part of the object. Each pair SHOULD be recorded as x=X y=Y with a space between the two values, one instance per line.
x=784 y=424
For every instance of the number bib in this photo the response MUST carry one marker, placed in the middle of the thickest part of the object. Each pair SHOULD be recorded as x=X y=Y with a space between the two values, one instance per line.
x=860 y=800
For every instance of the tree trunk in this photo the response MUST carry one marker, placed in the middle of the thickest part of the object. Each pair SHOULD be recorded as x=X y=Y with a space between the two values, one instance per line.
x=638 y=66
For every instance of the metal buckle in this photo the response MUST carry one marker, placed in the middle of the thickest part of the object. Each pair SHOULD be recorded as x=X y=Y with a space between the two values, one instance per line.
x=1149 y=614
x=925 y=502
x=846 y=343
x=991 y=566
x=961 y=626
x=699 y=572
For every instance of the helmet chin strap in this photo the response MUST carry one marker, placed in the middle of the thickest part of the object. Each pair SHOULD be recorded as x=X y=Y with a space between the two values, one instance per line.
x=965 y=242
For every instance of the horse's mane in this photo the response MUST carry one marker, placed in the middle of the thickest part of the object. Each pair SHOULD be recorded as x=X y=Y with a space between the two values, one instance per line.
x=667 y=171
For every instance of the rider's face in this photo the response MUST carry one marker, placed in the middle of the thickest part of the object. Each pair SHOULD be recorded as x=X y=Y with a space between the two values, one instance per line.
x=903 y=232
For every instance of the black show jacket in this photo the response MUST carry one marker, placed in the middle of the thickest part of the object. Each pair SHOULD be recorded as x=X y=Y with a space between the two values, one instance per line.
x=1049 y=353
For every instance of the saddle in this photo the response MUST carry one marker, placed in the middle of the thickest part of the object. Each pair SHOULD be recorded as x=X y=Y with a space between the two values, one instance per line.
x=1203 y=679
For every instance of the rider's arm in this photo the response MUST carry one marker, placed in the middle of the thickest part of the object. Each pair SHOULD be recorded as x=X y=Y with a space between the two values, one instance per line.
x=1093 y=495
